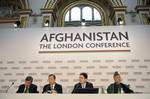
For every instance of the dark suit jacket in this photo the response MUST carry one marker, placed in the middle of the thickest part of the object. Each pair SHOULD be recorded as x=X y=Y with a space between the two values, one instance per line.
x=32 y=89
x=114 y=88
x=78 y=86
x=57 y=88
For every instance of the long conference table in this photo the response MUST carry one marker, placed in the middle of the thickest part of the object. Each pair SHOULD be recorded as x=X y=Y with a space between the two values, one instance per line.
x=74 y=96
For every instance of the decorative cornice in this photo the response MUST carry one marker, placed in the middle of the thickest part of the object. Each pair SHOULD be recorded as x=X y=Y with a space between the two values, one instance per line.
x=142 y=8
x=25 y=11
x=47 y=10
x=8 y=20
x=118 y=9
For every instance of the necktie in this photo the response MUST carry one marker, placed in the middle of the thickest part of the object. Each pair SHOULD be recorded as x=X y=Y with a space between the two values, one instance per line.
x=26 y=90
x=52 y=87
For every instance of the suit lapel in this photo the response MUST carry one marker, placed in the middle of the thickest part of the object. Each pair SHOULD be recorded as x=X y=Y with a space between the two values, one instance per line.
x=23 y=88
x=30 y=89
x=80 y=86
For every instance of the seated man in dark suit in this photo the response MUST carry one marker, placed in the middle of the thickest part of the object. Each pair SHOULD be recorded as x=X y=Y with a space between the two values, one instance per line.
x=118 y=86
x=83 y=83
x=52 y=87
x=27 y=87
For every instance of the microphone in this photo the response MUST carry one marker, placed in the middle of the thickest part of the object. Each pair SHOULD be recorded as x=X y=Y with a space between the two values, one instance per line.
x=10 y=86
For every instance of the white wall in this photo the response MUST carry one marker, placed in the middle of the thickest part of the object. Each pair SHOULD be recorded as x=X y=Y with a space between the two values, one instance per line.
x=133 y=20
x=38 y=22
x=6 y=25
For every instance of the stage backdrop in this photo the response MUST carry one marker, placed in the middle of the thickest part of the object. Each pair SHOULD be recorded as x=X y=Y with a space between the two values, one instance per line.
x=66 y=52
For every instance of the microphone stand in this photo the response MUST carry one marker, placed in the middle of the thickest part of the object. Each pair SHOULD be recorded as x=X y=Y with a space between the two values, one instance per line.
x=10 y=87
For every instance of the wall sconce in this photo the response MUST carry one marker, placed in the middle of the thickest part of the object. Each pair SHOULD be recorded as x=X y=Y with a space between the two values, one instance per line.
x=46 y=23
x=120 y=21
x=83 y=23
x=17 y=24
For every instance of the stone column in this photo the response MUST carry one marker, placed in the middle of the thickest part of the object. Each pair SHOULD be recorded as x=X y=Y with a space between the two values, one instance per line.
x=47 y=14
x=144 y=13
x=24 y=17
x=118 y=12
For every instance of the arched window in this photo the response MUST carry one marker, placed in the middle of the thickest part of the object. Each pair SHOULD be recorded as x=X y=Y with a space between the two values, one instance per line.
x=97 y=15
x=75 y=15
x=67 y=16
x=87 y=13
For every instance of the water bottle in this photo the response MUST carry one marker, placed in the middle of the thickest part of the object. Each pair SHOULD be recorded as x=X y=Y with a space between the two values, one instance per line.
x=120 y=90
x=102 y=90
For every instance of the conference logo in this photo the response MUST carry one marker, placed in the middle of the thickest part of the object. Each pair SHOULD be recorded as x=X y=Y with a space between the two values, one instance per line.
x=85 y=42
